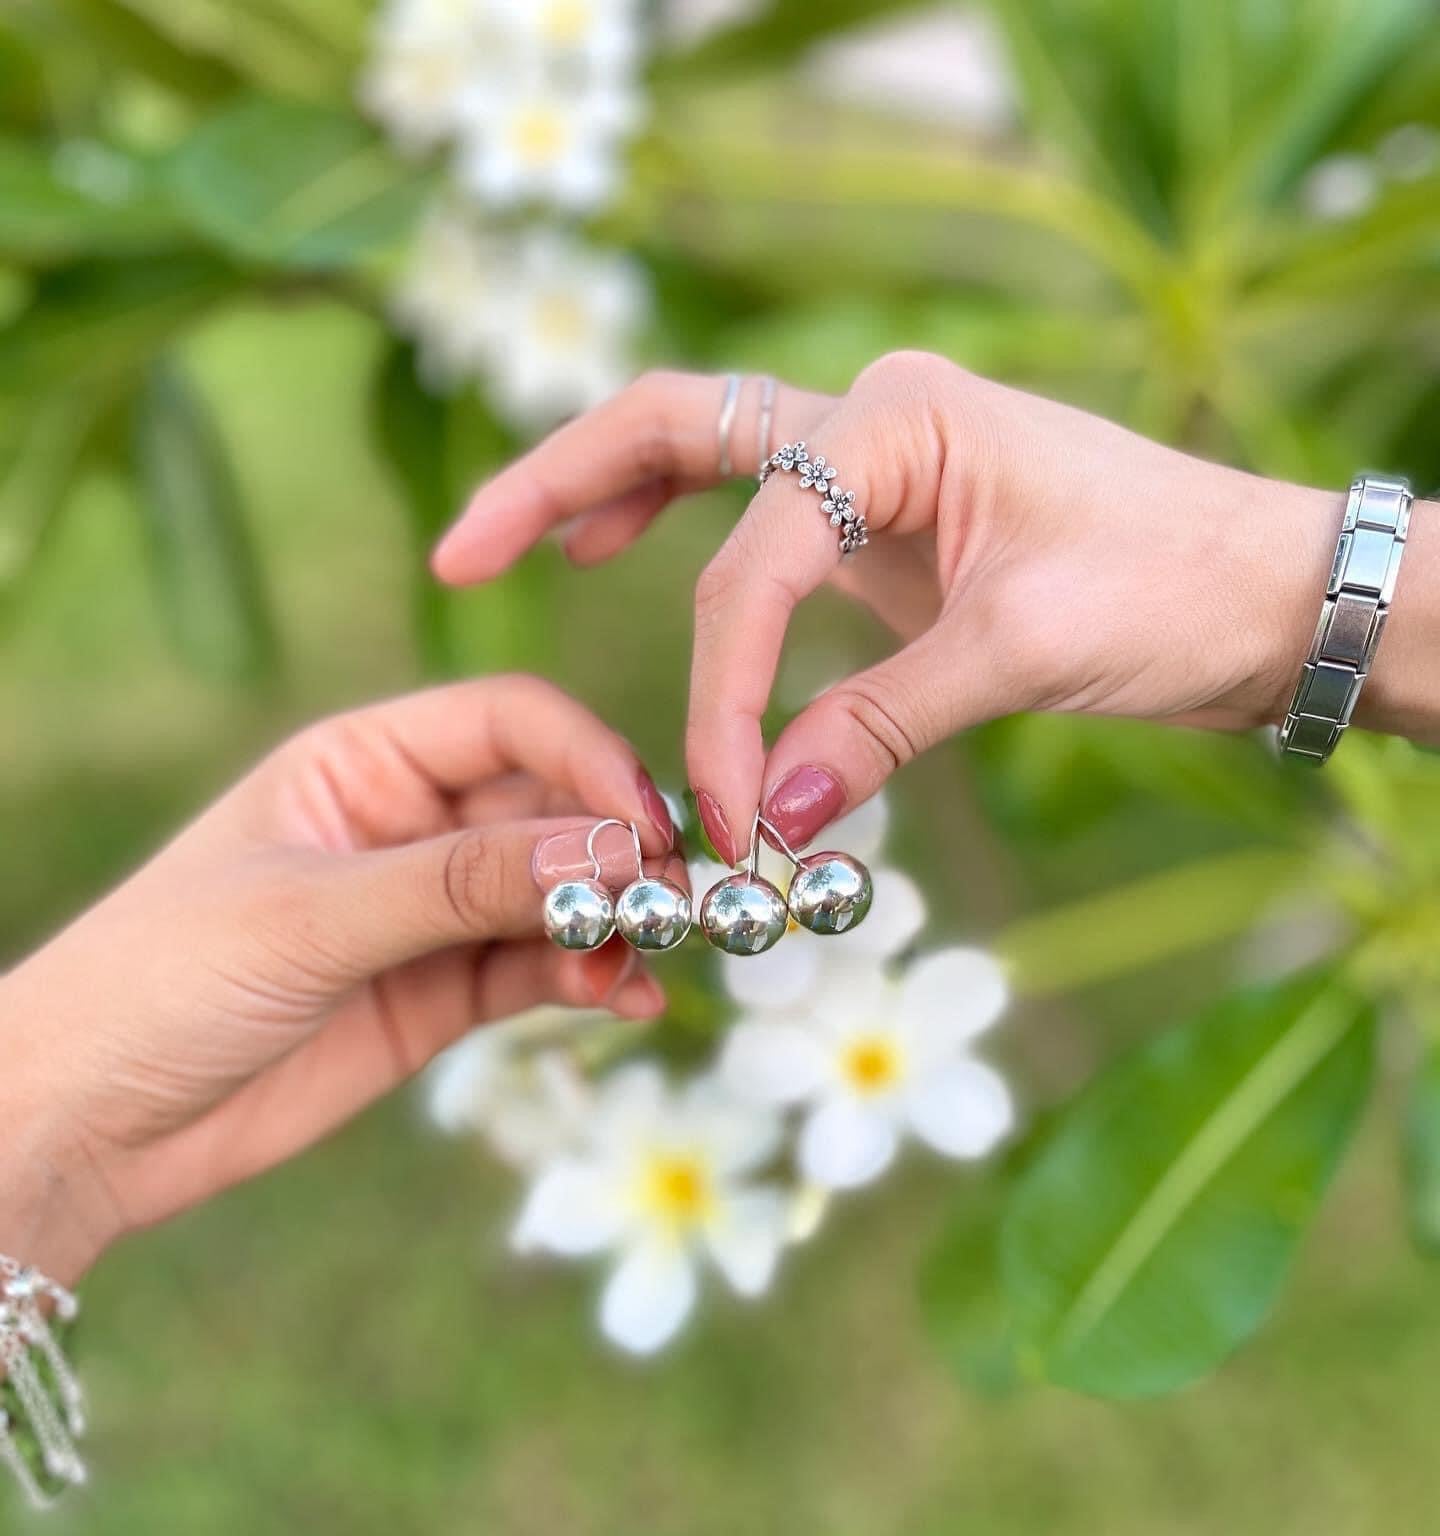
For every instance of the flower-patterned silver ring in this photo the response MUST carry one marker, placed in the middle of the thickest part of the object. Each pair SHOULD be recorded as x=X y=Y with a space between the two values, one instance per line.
x=822 y=477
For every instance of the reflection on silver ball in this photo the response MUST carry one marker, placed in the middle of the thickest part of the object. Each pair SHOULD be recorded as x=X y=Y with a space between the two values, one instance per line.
x=831 y=893
x=579 y=914
x=653 y=914
x=743 y=915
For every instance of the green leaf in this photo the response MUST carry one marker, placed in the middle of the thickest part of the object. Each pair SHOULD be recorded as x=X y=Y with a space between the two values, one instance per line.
x=1339 y=55
x=127 y=39
x=206 y=570
x=1422 y=1155
x=1124 y=930
x=438 y=450
x=961 y=1300
x=1154 y=1231
x=410 y=431
x=46 y=215
x=97 y=320
x=296 y=185
x=781 y=31
x=39 y=450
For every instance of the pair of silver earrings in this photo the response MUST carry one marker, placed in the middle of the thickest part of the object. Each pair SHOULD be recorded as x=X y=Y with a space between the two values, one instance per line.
x=746 y=914
x=743 y=914
x=650 y=914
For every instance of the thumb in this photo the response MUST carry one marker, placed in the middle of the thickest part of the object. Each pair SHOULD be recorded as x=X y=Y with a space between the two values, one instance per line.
x=842 y=748
x=475 y=886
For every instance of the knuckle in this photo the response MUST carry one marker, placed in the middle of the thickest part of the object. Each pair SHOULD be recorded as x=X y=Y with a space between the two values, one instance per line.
x=868 y=710
x=716 y=585
x=470 y=879
x=914 y=372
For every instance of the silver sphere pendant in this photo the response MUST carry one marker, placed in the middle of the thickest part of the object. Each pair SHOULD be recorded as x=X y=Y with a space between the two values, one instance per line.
x=831 y=893
x=743 y=915
x=653 y=914
x=579 y=914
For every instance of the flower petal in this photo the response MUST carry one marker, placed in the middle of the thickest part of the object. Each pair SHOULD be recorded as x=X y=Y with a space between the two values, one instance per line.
x=808 y=1205
x=950 y=997
x=746 y=1237
x=735 y=1136
x=861 y=832
x=777 y=980
x=896 y=917
x=460 y=1082
x=774 y=1064
x=846 y=1143
x=632 y=1101
x=573 y=1208
x=648 y=1297
x=962 y=1112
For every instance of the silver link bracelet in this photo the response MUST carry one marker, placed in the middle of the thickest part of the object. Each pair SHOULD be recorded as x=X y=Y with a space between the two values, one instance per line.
x=1352 y=619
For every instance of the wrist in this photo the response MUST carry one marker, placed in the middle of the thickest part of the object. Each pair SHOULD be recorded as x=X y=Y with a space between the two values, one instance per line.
x=55 y=1213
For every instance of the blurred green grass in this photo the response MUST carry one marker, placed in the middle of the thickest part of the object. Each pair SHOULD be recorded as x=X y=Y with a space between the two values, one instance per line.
x=344 y=1347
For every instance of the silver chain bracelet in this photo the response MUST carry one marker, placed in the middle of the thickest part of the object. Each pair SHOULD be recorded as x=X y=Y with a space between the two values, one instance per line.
x=27 y=1342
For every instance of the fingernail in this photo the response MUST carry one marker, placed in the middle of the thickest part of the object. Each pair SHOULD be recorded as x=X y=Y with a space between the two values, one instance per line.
x=655 y=808
x=565 y=856
x=717 y=826
x=805 y=800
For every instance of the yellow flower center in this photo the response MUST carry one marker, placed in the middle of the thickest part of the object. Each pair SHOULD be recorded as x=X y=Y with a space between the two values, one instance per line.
x=871 y=1064
x=560 y=320
x=677 y=1189
x=538 y=134
x=566 y=22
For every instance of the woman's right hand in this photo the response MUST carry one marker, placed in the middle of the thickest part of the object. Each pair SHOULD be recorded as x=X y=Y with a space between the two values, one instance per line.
x=1029 y=556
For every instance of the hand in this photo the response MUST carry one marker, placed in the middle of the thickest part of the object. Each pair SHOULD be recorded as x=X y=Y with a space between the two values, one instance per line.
x=1031 y=557
x=363 y=898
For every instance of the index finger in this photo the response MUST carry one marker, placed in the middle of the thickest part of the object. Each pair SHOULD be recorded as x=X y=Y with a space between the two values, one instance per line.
x=782 y=550
x=655 y=440
x=460 y=736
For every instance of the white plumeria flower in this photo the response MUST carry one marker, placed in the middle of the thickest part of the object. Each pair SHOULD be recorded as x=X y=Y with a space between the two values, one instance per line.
x=429 y=57
x=539 y=138
x=531 y=1105
x=780 y=980
x=567 y=329
x=604 y=36
x=452 y=296
x=663 y=1184
x=874 y=1059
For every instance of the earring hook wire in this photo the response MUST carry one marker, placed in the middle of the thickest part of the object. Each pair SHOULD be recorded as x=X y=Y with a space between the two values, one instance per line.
x=610 y=821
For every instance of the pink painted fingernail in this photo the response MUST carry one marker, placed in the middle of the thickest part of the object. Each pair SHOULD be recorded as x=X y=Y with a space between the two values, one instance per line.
x=564 y=856
x=655 y=808
x=717 y=826
x=805 y=800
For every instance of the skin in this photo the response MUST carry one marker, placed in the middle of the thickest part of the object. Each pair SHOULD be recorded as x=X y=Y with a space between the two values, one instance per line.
x=1029 y=556
x=363 y=898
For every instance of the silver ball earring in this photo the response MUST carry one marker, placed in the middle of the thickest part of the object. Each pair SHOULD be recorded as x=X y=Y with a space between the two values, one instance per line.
x=580 y=914
x=651 y=914
x=830 y=893
x=744 y=914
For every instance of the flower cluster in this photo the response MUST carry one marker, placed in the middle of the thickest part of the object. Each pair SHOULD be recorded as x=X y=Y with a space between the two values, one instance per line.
x=536 y=96
x=534 y=101
x=839 y=1054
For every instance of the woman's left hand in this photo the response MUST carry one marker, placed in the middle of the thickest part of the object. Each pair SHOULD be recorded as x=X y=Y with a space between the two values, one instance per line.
x=363 y=898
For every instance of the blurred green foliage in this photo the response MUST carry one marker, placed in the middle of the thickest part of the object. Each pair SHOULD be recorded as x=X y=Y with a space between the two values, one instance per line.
x=181 y=183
